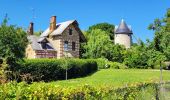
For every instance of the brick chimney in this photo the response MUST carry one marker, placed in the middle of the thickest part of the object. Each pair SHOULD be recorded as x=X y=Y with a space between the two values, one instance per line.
x=52 y=23
x=31 y=29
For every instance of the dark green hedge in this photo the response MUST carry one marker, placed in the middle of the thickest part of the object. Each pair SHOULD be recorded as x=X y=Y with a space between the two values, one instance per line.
x=54 y=69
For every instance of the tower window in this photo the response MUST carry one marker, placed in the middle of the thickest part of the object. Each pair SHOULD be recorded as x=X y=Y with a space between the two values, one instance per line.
x=73 y=46
x=65 y=45
x=70 y=31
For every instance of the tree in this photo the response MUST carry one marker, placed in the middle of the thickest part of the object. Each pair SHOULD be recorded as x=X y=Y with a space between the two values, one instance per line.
x=136 y=56
x=143 y=56
x=157 y=27
x=108 y=28
x=162 y=34
x=13 y=42
x=99 y=45
x=154 y=58
x=38 y=33
x=117 y=53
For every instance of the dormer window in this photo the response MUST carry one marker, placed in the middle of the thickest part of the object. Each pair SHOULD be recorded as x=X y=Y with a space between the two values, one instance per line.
x=70 y=31
x=45 y=46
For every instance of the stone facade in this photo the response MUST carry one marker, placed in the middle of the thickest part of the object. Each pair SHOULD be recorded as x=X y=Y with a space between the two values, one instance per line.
x=123 y=39
x=30 y=53
x=58 y=42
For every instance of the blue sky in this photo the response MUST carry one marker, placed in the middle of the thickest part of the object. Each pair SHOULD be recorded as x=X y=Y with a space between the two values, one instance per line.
x=137 y=13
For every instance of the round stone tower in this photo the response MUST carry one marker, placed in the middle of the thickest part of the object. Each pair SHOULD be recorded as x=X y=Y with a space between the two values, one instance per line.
x=123 y=35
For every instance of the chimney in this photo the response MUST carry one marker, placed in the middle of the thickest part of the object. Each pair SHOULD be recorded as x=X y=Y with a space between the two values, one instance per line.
x=52 y=23
x=31 y=29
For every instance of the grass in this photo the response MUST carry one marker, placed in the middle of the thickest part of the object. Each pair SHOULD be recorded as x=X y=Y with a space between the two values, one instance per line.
x=117 y=77
x=102 y=83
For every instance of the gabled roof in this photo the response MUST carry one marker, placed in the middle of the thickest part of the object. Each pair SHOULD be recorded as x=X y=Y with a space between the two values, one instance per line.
x=123 y=28
x=59 y=30
x=42 y=39
x=60 y=27
x=36 y=43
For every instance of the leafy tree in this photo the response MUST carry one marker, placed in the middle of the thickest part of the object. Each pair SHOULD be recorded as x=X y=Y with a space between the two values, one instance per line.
x=154 y=58
x=117 y=53
x=98 y=45
x=108 y=28
x=136 y=56
x=38 y=33
x=143 y=56
x=157 y=26
x=162 y=35
x=13 y=42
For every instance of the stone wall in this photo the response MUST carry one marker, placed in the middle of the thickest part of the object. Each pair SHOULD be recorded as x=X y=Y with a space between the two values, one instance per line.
x=58 y=42
x=123 y=39
x=30 y=53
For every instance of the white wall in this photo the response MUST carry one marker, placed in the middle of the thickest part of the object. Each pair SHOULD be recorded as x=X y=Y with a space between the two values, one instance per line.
x=123 y=39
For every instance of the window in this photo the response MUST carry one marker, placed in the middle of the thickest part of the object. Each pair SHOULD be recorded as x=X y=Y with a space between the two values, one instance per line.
x=46 y=45
x=70 y=31
x=65 y=45
x=73 y=46
x=43 y=44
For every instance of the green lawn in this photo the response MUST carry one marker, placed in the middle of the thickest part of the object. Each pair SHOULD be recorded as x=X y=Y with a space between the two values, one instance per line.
x=117 y=77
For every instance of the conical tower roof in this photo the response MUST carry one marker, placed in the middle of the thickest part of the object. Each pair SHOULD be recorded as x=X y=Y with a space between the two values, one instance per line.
x=123 y=28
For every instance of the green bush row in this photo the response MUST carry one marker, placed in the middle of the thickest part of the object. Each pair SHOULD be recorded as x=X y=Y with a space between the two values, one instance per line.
x=54 y=69
x=51 y=91
x=104 y=63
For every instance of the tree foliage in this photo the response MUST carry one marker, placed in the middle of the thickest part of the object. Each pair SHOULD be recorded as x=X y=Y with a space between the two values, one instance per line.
x=108 y=28
x=142 y=56
x=98 y=44
x=162 y=35
x=13 y=42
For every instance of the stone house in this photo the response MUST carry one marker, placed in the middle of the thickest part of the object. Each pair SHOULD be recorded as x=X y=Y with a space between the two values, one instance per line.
x=57 y=41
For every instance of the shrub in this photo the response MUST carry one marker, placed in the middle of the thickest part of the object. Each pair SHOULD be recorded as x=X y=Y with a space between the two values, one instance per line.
x=101 y=63
x=45 y=91
x=54 y=69
x=104 y=64
x=117 y=65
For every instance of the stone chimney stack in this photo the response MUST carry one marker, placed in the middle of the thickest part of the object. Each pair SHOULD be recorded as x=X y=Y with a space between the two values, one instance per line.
x=31 y=29
x=52 y=23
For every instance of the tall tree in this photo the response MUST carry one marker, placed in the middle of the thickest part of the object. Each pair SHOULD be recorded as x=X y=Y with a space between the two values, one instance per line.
x=98 y=45
x=13 y=42
x=162 y=34
x=108 y=28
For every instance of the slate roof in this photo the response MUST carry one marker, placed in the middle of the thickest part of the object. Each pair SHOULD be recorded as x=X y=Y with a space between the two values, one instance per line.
x=36 y=43
x=123 y=28
x=59 y=30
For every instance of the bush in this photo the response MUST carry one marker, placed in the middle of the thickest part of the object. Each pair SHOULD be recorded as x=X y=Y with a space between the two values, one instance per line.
x=117 y=65
x=104 y=64
x=101 y=63
x=51 y=91
x=54 y=69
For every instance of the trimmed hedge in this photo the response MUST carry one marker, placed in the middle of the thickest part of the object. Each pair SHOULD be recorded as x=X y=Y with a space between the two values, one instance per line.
x=54 y=69
x=52 y=91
